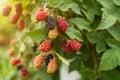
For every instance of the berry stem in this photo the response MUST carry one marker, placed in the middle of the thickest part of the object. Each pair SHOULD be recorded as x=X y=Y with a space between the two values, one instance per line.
x=65 y=61
x=56 y=13
x=63 y=36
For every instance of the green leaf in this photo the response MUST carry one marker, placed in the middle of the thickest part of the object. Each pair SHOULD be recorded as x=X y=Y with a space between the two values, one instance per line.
x=74 y=33
x=55 y=3
x=37 y=35
x=107 y=4
x=107 y=22
x=113 y=43
x=22 y=47
x=92 y=11
x=103 y=35
x=39 y=25
x=110 y=75
x=92 y=37
x=62 y=59
x=100 y=47
x=74 y=65
x=66 y=5
x=76 y=9
x=11 y=75
x=117 y=2
x=110 y=59
x=110 y=8
x=81 y=23
x=115 y=32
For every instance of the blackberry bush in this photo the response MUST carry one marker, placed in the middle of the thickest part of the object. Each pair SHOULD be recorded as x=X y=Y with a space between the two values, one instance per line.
x=86 y=29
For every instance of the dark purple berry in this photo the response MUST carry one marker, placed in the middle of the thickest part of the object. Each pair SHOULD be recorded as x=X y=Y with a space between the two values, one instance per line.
x=50 y=22
x=19 y=66
x=47 y=58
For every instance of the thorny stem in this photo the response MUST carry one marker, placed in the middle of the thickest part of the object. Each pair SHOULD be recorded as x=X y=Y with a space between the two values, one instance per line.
x=95 y=70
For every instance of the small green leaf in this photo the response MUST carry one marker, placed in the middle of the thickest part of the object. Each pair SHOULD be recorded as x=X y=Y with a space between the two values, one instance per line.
x=115 y=32
x=74 y=33
x=107 y=4
x=102 y=35
x=81 y=23
x=110 y=59
x=66 y=5
x=92 y=37
x=76 y=9
x=92 y=11
x=39 y=25
x=107 y=22
x=62 y=59
x=74 y=65
x=113 y=43
x=11 y=75
x=110 y=75
x=100 y=47
x=55 y=3
x=117 y=2
x=37 y=35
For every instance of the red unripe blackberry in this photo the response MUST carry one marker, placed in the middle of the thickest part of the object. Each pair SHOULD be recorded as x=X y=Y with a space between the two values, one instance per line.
x=38 y=61
x=45 y=46
x=65 y=46
x=52 y=66
x=75 y=45
x=50 y=22
x=11 y=52
x=6 y=10
x=24 y=72
x=15 y=61
x=62 y=24
x=14 y=18
x=21 y=24
x=41 y=14
x=18 y=8
x=12 y=42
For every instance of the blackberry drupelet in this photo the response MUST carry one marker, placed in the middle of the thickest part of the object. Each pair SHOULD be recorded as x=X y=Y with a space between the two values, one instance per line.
x=50 y=22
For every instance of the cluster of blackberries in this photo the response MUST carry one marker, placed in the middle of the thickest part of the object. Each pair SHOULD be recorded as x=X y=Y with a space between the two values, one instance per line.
x=17 y=63
x=41 y=15
x=54 y=25
x=50 y=61
x=68 y=46
x=15 y=17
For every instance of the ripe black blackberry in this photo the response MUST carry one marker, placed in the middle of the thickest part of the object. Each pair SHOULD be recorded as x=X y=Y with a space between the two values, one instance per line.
x=47 y=58
x=19 y=66
x=50 y=22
